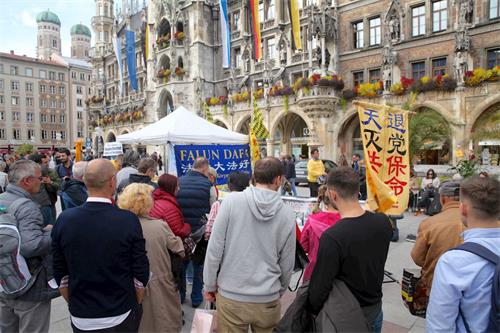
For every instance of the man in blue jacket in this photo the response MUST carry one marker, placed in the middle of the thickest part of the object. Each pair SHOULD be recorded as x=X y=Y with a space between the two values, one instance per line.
x=100 y=261
x=194 y=199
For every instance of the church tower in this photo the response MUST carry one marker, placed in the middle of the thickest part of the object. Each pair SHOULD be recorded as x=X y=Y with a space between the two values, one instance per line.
x=102 y=24
x=49 y=34
x=80 y=42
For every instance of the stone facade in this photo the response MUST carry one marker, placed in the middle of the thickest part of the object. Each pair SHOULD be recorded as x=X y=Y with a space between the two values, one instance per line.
x=397 y=39
x=113 y=114
x=34 y=102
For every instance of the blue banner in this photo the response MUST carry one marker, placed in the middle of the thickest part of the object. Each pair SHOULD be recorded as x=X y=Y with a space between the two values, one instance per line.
x=130 y=51
x=225 y=35
x=225 y=159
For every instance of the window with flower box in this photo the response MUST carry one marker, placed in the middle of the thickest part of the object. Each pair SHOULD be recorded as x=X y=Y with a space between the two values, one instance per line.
x=417 y=70
x=358 y=78
x=438 y=67
x=493 y=58
x=374 y=75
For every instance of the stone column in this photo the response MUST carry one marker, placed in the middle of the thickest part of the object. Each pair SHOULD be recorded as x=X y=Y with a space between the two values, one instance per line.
x=270 y=146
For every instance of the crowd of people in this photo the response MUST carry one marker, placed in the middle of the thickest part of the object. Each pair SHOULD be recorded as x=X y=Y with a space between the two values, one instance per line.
x=120 y=249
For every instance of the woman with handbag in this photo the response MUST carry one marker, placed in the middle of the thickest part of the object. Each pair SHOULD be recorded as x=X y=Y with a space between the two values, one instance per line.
x=316 y=224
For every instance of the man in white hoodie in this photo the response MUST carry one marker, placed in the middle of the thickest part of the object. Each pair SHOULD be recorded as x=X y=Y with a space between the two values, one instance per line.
x=251 y=253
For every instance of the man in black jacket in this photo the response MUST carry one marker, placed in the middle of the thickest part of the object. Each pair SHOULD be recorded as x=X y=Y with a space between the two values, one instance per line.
x=354 y=250
x=194 y=199
x=100 y=261
x=74 y=191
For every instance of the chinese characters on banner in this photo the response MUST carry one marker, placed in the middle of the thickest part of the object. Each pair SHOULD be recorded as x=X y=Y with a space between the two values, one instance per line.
x=384 y=131
x=225 y=159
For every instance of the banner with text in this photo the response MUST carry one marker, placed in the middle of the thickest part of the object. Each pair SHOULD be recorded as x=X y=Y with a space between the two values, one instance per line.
x=225 y=159
x=385 y=143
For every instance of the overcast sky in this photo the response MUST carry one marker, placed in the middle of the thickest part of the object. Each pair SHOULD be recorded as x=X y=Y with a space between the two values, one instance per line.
x=18 y=29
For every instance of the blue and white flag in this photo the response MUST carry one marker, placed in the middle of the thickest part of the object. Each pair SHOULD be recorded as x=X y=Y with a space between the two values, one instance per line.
x=225 y=35
x=130 y=51
x=117 y=45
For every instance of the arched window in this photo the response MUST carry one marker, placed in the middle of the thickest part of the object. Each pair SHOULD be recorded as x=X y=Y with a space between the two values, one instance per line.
x=180 y=26
x=180 y=63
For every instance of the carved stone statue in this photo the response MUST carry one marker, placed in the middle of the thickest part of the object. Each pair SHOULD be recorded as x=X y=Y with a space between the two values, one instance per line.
x=387 y=76
x=327 y=58
x=462 y=40
x=460 y=65
x=318 y=55
x=466 y=12
x=394 y=27
x=283 y=53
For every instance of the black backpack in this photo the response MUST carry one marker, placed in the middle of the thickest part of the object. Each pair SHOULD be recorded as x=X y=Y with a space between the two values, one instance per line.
x=486 y=254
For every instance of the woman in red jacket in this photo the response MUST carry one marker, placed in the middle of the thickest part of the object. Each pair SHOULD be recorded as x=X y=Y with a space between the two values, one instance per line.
x=165 y=206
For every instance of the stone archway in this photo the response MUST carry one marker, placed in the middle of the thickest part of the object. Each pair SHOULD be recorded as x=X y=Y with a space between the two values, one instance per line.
x=165 y=104
x=290 y=135
x=485 y=135
x=111 y=137
x=243 y=125
x=164 y=28
x=164 y=62
x=220 y=123
x=349 y=136
x=430 y=137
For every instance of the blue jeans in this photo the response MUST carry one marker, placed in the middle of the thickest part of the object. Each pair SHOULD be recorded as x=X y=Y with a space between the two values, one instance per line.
x=196 y=292
x=377 y=324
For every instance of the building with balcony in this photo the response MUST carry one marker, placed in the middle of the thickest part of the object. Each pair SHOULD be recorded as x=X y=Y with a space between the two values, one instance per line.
x=365 y=49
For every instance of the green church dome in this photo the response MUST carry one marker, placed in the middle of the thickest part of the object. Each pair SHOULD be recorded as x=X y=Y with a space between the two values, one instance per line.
x=80 y=29
x=48 y=16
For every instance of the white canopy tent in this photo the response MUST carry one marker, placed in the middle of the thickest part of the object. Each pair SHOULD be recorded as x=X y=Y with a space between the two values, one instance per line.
x=183 y=127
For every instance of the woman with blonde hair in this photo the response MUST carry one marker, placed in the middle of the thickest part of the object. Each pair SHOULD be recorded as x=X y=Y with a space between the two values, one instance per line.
x=161 y=306
x=316 y=224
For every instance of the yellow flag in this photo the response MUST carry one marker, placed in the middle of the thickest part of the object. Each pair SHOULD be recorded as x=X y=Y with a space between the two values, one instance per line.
x=254 y=147
x=381 y=196
x=78 y=151
x=295 y=19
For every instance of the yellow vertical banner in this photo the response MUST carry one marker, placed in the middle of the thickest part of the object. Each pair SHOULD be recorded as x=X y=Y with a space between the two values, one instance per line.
x=372 y=120
x=254 y=148
x=396 y=172
x=146 y=42
x=78 y=151
x=295 y=19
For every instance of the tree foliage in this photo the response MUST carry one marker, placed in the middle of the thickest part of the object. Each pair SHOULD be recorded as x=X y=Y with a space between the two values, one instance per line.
x=487 y=127
x=24 y=149
x=426 y=126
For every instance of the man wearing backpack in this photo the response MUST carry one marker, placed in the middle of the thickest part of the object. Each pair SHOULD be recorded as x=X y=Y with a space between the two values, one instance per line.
x=466 y=286
x=28 y=310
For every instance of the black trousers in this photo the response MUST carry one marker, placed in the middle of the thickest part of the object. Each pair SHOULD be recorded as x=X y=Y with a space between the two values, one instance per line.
x=129 y=325
x=313 y=188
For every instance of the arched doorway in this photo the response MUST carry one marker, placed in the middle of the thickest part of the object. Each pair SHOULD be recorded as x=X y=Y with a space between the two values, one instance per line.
x=486 y=136
x=349 y=140
x=111 y=137
x=166 y=104
x=291 y=135
x=430 y=137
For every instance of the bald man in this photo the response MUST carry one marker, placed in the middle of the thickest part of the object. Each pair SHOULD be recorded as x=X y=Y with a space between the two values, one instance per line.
x=101 y=250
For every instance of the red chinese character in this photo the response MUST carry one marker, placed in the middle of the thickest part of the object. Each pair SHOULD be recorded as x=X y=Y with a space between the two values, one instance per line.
x=396 y=185
x=396 y=165
x=372 y=155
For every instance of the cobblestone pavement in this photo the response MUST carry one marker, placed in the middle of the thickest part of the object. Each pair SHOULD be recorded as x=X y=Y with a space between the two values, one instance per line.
x=396 y=316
